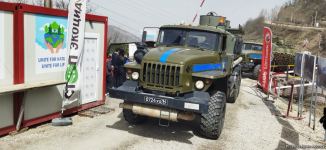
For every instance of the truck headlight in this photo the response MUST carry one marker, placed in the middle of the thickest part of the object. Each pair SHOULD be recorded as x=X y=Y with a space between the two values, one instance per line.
x=199 y=84
x=135 y=75
x=251 y=60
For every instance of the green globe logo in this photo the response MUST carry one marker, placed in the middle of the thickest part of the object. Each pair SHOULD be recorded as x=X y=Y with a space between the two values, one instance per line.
x=54 y=36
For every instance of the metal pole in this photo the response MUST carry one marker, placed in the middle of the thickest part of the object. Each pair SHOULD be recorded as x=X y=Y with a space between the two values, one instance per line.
x=314 y=108
x=316 y=18
x=311 y=111
x=21 y=113
x=287 y=73
x=315 y=91
x=319 y=43
x=201 y=5
x=312 y=91
x=290 y=101
x=301 y=88
x=300 y=101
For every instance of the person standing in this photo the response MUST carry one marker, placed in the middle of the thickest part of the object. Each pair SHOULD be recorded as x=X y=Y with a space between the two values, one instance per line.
x=114 y=66
x=108 y=74
x=120 y=70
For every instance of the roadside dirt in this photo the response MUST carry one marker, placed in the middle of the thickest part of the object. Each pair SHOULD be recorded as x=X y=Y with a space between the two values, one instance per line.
x=250 y=123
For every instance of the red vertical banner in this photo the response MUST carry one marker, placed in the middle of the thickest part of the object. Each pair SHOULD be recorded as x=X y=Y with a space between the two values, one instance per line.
x=265 y=69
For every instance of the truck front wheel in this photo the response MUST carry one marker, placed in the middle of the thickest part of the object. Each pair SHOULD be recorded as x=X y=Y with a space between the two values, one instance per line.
x=132 y=118
x=211 y=123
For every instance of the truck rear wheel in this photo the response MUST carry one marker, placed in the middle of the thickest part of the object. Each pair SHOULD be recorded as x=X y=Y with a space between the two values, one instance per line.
x=256 y=72
x=211 y=123
x=132 y=118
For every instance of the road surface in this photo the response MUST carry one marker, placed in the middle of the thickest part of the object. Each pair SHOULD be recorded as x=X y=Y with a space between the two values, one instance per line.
x=249 y=124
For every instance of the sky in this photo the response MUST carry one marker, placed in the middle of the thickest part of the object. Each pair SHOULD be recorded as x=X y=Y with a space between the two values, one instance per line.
x=134 y=15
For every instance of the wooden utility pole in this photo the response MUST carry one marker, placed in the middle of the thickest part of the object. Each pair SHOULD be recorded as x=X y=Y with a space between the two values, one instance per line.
x=48 y=3
x=316 y=19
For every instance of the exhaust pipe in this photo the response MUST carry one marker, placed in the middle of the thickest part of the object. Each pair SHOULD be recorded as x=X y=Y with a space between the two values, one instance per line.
x=158 y=112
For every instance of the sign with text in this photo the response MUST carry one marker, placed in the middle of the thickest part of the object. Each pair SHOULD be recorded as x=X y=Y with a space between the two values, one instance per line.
x=298 y=64
x=2 y=48
x=50 y=44
x=76 y=32
x=264 y=74
x=309 y=67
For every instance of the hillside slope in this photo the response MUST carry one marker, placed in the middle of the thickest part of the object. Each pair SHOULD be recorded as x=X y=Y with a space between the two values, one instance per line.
x=292 y=27
x=303 y=12
x=118 y=35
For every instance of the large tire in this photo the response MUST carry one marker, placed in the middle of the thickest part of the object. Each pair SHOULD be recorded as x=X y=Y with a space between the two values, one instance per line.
x=236 y=89
x=256 y=72
x=211 y=123
x=132 y=118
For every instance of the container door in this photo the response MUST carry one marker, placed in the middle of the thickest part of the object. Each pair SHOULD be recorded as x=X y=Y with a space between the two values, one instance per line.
x=90 y=69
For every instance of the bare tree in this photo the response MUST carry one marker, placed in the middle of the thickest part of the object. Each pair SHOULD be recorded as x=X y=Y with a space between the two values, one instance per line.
x=274 y=13
x=16 y=1
x=64 y=4
x=61 y=4
x=31 y=2
x=322 y=43
x=38 y=2
x=22 y=1
x=114 y=38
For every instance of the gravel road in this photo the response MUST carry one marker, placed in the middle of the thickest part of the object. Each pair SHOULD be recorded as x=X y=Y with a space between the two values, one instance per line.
x=249 y=124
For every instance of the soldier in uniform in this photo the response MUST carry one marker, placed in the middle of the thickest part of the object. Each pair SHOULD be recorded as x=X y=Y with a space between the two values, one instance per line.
x=109 y=67
x=118 y=61
x=114 y=66
x=121 y=70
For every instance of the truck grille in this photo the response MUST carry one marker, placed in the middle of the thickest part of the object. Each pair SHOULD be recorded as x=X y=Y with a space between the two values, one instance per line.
x=161 y=75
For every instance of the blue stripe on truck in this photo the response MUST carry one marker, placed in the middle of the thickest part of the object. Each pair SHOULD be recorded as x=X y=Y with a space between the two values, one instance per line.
x=166 y=54
x=255 y=56
x=206 y=67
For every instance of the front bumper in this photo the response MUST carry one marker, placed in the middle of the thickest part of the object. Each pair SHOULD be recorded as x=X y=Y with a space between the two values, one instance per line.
x=196 y=101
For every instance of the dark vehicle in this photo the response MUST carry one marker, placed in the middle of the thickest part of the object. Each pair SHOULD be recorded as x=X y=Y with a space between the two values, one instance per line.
x=193 y=72
x=251 y=53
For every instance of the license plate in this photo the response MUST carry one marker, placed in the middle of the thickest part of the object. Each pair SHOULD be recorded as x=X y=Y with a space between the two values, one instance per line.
x=155 y=100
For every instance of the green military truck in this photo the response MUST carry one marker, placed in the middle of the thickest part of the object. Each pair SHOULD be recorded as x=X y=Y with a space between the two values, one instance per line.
x=282 y=57
x=251 y=53
x=191 y=73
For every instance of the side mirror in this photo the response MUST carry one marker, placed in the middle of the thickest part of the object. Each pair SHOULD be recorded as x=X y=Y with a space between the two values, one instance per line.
x=150 y=34
x=144 y=36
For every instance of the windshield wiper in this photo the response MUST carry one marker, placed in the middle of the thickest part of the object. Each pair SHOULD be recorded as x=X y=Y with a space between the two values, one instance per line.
x=198 y=47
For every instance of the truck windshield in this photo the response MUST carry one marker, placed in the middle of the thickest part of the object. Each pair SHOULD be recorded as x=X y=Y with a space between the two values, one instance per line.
x=248 y=46
x=196 y=39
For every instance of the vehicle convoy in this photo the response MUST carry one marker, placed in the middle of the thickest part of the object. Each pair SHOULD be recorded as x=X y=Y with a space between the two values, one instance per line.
x=191 y=73
x=283 y=58
x=251 y=53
